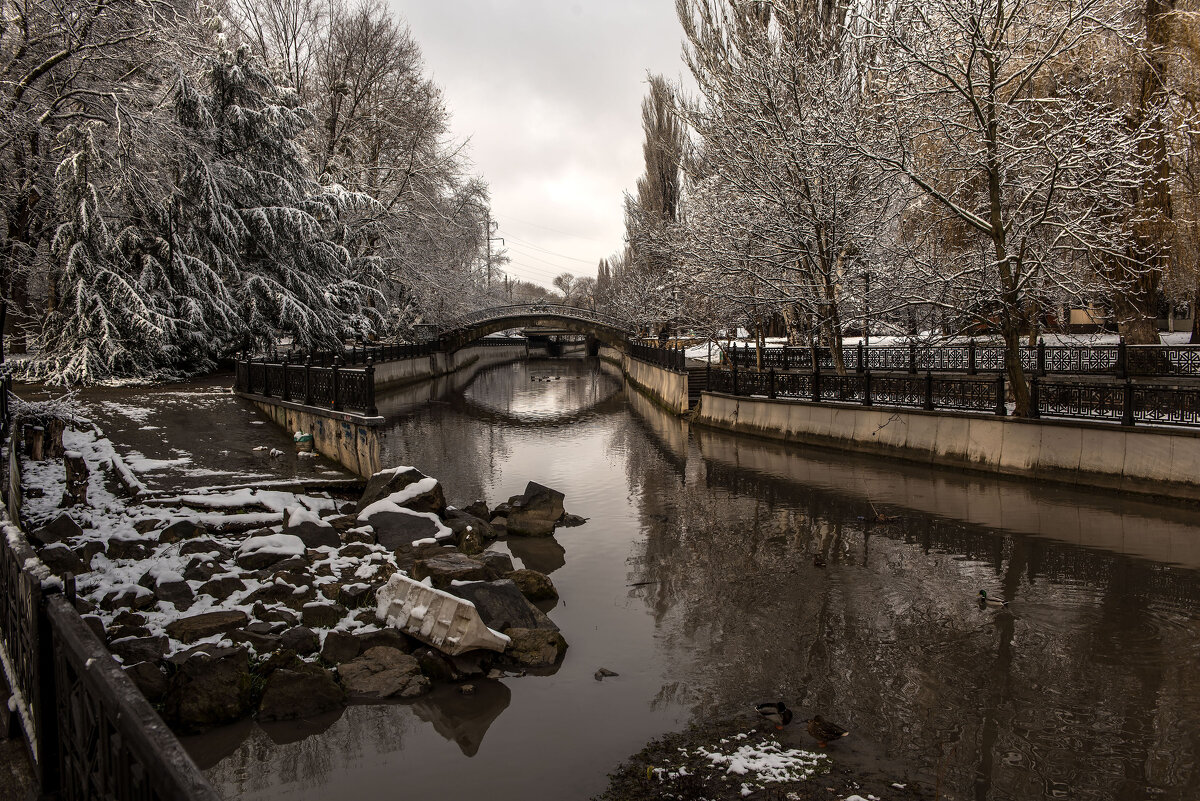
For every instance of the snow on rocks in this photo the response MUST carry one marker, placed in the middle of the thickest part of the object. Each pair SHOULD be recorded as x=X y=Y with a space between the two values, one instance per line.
x=205 y=596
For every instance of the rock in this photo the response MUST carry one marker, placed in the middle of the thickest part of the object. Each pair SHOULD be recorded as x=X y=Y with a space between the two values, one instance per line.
x=261 y=642
x=201 y=568
x=352 y=596
x=139 y=649
x=86 y=551
x=222 y=588
x=116 y=632
x=178 y=593
x=95 y=624
x=209 y=687
x=257 y=560
x=470 y=533
x=274 y=615
x=445 y=568
x=149 y=678
x=59 y=529
x=128 y=618
x=214 y=549
x=195 y=627
x=501 y=511
x=264 y=548
x=395 y=530
x=435 y=665
x=299 y=693
x=294 y=563
x=355 y=550
x=569 y=520
x=406 y=487
x=310 y=528
x=478 y=509
x=535 y=512
x=472 y=663
x=501 y=605
x=83 y=606
x=384 y=638
x=499 y=563
x=128 y=597
x=128 y=548
x=146 y=525
x=286 y=594
x=61 y=560
x=534 y=585
x=604 y=673
x=300 y=639
x=362 y=534
x=340 y=647
x=182 y=530
x=282 y=659
x=383 y=673
x=322 y=616
x=535 y=648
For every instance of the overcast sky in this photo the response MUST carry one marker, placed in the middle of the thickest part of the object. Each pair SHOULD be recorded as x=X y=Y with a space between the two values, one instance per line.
x=549 y=94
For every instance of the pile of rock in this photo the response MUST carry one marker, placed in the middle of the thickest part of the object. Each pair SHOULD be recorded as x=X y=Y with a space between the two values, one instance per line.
x=214 y=626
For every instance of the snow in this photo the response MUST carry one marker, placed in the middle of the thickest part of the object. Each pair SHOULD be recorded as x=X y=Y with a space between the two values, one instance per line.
x=766 y=762
x=285 y=544
x=298 y=515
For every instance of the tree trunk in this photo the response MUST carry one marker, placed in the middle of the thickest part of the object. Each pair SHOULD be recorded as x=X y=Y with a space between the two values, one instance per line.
x=1195 y=338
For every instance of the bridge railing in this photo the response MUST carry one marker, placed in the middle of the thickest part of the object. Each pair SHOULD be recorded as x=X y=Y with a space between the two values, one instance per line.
x=339 y=388
x=1118 y=360
x=537 y=310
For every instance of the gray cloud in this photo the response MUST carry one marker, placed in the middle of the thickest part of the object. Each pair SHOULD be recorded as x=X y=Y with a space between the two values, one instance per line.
x=549 y=95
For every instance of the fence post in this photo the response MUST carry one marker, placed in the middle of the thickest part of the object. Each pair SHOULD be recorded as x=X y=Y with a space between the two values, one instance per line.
x=866 y=387
x=1001 y=406
x=912 y=358
x=771 y=383
x=371 y=410
x=860 y=367
x=928 y=390
x=287 y=392
x=1034 y=397
x=971 y=356
x=334 y=400
x=1122 y=364
x=308 y=381
x=1127 y=410
x=1041 y=357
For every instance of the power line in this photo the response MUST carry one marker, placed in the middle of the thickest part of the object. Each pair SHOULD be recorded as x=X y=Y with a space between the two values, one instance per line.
x=555 y=230
x=529 y=244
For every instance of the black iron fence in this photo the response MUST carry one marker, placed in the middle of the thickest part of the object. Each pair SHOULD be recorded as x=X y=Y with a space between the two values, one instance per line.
x=368 y=354
x=1124 y=401
x=89 y=731
x=348 y=389
x=1118 y=360
x=670 y=358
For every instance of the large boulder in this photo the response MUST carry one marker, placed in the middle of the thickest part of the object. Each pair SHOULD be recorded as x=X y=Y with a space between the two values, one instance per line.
x=264 y=548
x=398 y=529
x=502 y=606
x=535 y=648
x=59 y=529
x=535 y=512
x=149 y=678
x=310 y=528
x=182 y=530
x=499 y=563
x=139 y=649
x=61 y=560
x=321 y=615
x=196 y=627
x=210 y=687
x=405 y=487
x=339 y=647
x=444 y=568
x=383 y=673
x=470 y=533
x=223 y=587
x=299 y=693
x=300 y=639
x=534 y=585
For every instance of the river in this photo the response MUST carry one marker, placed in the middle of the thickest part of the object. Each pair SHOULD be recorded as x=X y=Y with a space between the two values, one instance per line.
x=694 y=579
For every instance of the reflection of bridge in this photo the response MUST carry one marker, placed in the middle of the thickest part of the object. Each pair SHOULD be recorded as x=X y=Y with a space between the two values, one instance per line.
x=466 y=329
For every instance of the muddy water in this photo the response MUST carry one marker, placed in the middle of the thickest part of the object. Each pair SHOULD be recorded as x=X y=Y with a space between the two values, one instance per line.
x=694 y=579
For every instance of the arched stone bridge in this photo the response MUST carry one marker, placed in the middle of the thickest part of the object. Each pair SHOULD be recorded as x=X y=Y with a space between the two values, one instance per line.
x=465 y=330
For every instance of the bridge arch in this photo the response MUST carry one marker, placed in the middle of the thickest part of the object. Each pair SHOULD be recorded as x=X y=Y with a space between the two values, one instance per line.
x=465 y=330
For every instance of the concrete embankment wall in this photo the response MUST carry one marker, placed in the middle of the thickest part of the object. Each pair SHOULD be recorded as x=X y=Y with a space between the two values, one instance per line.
x=1153 y=461
x=407 y=371
x=667 y=387
x=348 y=439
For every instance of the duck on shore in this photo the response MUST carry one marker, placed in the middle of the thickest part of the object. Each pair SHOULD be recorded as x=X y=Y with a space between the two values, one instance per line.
x=776 y=712
x=824 y=731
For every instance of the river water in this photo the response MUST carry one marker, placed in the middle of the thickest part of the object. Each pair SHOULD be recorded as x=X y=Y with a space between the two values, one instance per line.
x=694 y=579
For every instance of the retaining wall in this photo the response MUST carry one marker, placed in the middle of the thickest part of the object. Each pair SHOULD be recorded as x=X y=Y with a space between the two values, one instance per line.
x=408 y=371
x=667 y=387
x=1152 y=461
x=348 y=439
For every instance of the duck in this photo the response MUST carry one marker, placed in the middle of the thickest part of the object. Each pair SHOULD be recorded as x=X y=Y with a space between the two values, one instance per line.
x=986 y=600
x=824 y=731
x=776 y=712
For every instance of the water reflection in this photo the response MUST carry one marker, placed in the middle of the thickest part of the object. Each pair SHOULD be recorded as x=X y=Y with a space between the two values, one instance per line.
x=694 y=579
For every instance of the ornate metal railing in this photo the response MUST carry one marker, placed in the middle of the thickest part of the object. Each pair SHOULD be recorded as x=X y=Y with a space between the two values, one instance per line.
x=89 y=731
x=338 y=388
x=670 y=358
x=1119 y=360
x=1123 y=401
x=537 y=310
